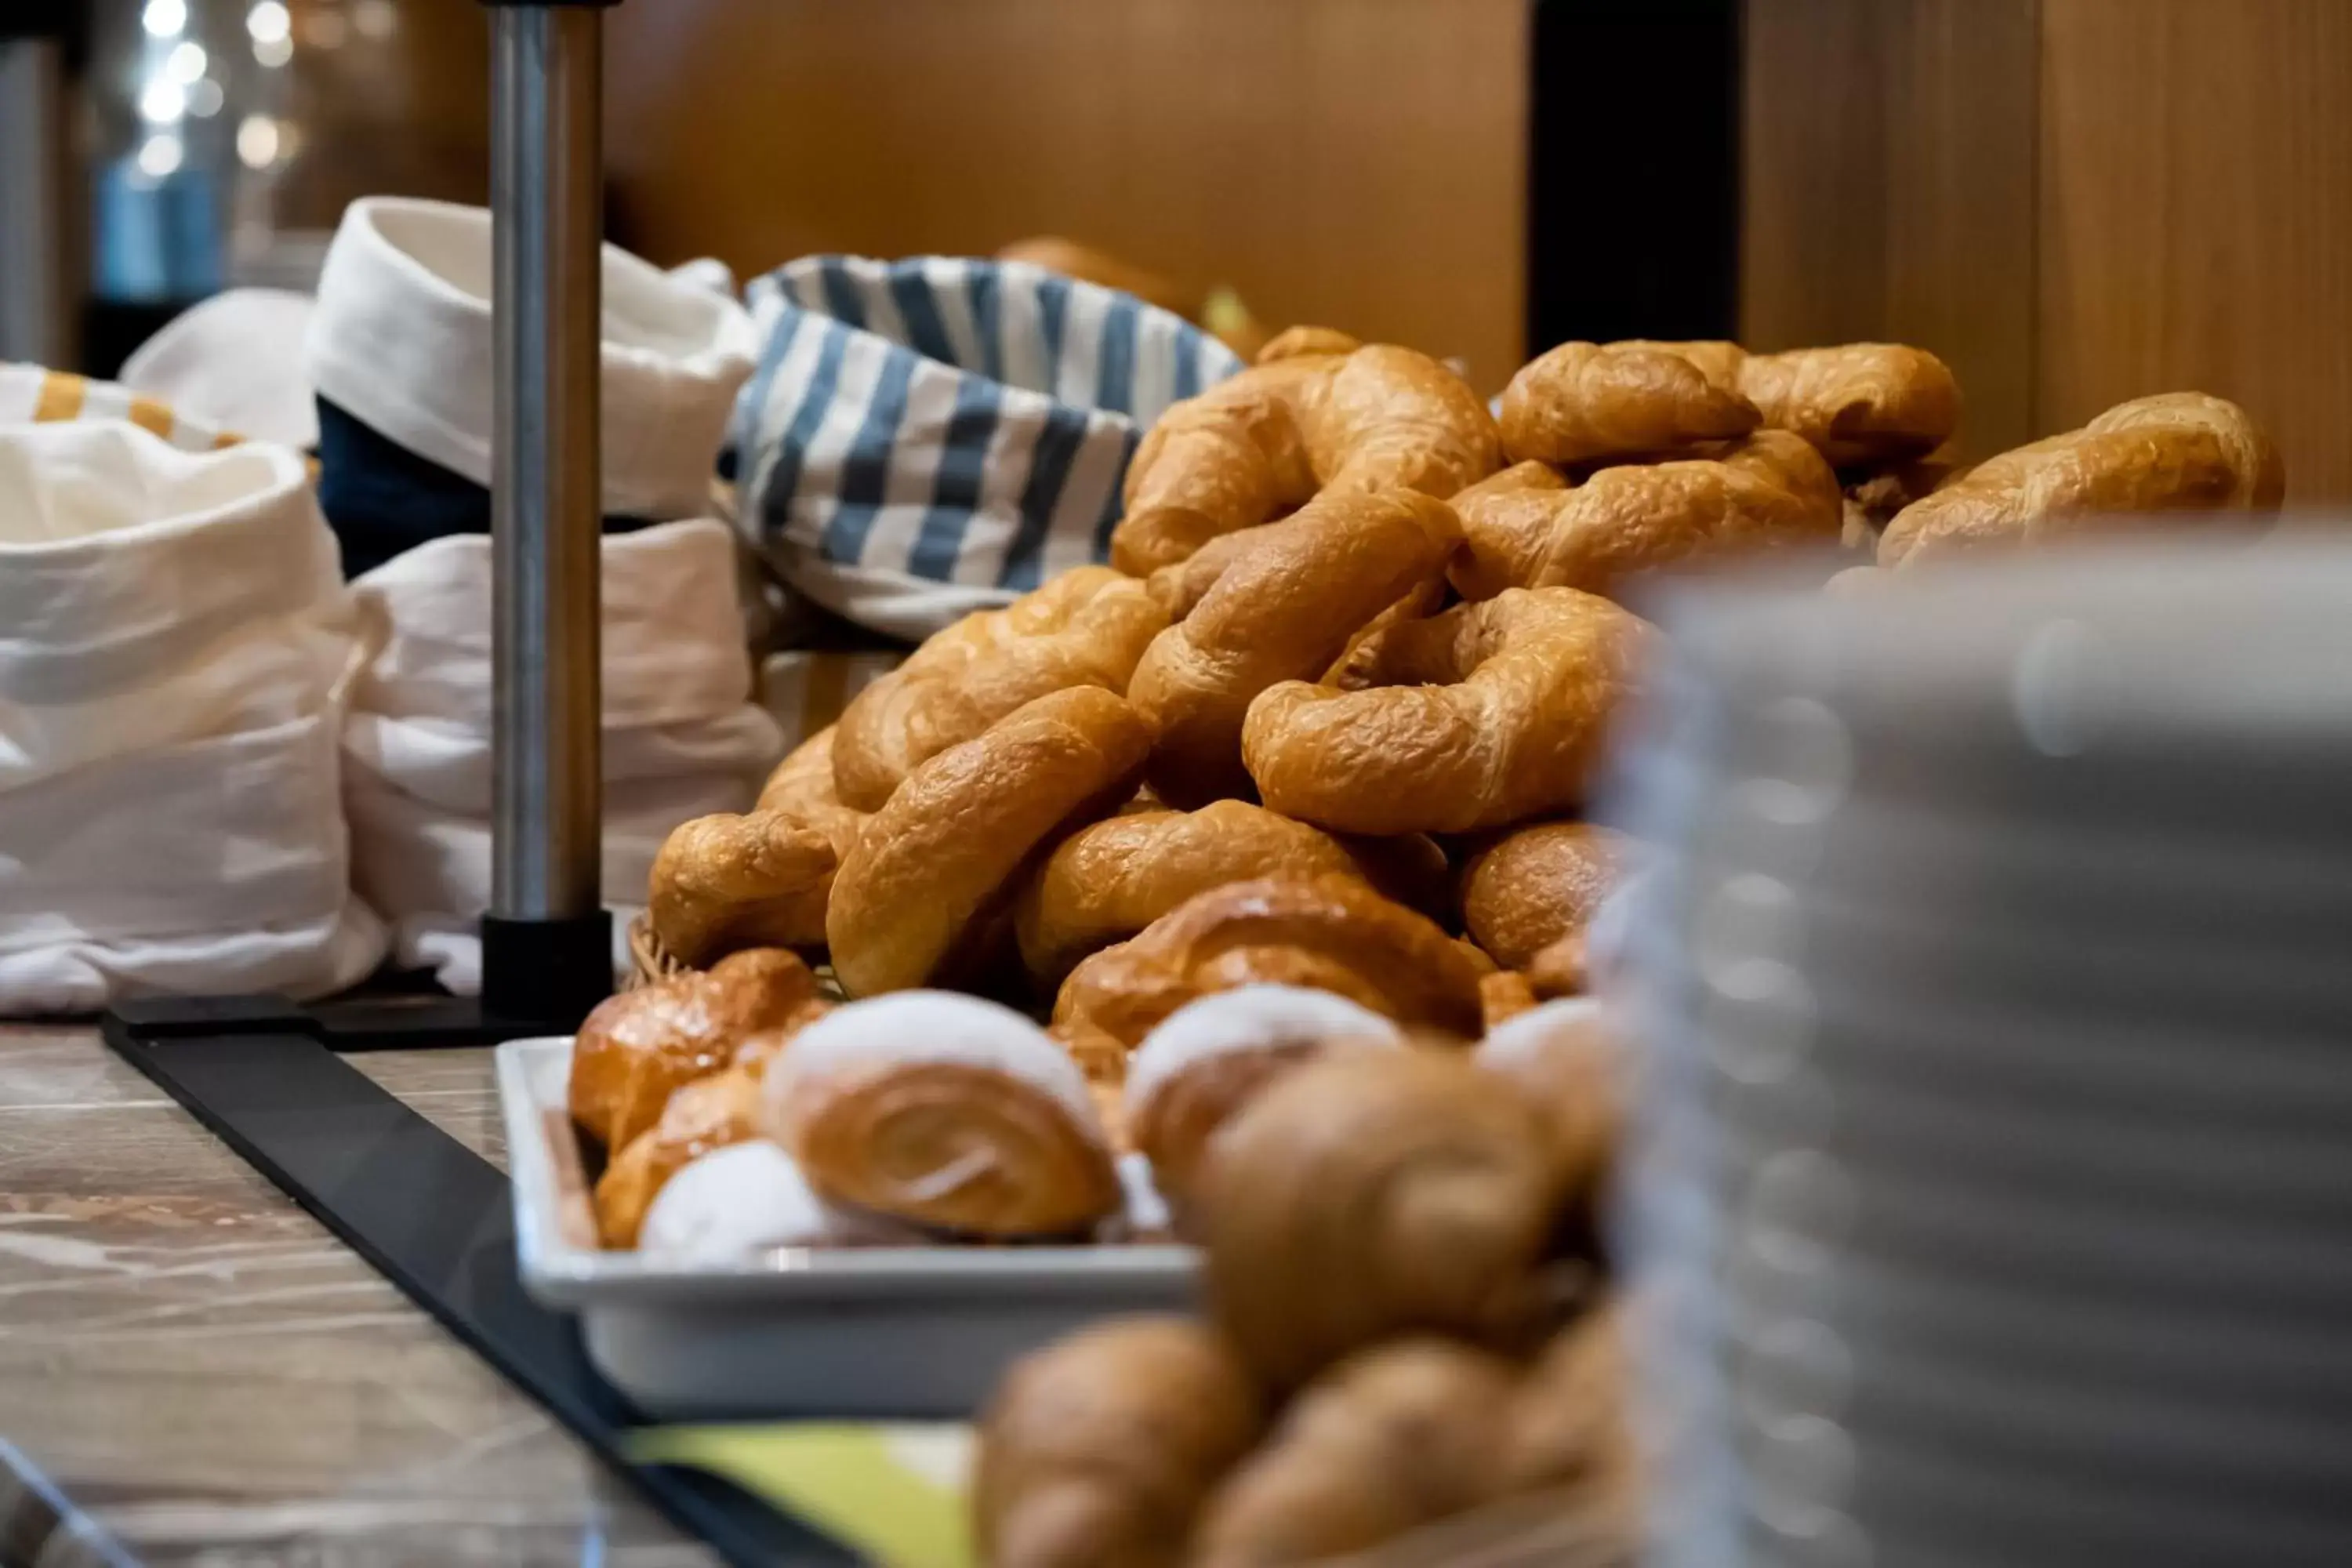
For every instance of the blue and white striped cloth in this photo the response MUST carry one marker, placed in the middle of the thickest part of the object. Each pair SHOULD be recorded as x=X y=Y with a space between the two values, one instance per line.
x=927 y=437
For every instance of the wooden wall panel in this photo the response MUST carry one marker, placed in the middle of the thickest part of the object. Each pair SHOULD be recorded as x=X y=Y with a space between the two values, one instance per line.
x=2197 y=216
x=1353 y=161
x=1889 y=170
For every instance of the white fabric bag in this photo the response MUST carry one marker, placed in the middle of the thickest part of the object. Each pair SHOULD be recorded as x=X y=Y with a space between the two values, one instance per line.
x=681 y=734
x=176 y=649
x=235 y=361
x=401 y=341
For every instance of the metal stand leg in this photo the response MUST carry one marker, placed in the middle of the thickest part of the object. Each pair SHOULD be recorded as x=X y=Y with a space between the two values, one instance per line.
x=547 y=941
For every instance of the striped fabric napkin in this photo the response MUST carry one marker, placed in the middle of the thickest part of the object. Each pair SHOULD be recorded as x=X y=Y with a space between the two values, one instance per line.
x=30 y=394
x=927 y=437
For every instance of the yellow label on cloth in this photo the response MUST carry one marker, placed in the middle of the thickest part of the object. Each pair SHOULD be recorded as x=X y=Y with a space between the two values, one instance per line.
x=894 y=1493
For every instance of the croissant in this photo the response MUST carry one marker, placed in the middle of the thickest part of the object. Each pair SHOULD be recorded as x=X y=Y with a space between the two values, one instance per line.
x=634 y=1049
x=802 y=785
x=1314 y=414
x=930 y=868
x=1582 y=403
x=1282 y=611
x=1324 y=934
x=1212 y=1055
x=1570 y=1423
x=747 y=1198
x=1560 y=1058
x=1504 y=995
x=1534 y=885
x=1086 y=627
x=2179 y=452
x=1488 y=714
x=1108 y=881
x=946 y=1111
x=1856 y=403
x=1397 y=1437
x=1371 y=1193
x=705 y=1114
x=1771 y=490
x=725 y=882
x=1096 y=1452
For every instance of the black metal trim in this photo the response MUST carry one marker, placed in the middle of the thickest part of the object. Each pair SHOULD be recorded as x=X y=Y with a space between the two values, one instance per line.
x=421 y=1209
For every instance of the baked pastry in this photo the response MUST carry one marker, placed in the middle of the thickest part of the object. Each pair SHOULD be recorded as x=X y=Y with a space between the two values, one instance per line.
x=932 y=866
x=1312 y=414
x=1488 y=714
x=1561 y=1057
x=2182 y=452
x=1584 y=402
x=634 y=1049
x=1108 y=881
x=946 y=1111
x=1856 y=404
x=1086 y=627
x=1210 y=1056
x=803 y=784
x=1095 y=1451
x=705 y=1114
x=1504 y=995
x=1327 y=933
x=1531 y=886
x=736 y=1202
x=1282 y=611
x=725 y=882
x=1371 y=1193
x=1400 y=1436
x=1570 y=1420
x=1768 y=490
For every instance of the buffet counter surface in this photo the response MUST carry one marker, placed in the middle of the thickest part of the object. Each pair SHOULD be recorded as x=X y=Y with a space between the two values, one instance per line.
x=192 y=1369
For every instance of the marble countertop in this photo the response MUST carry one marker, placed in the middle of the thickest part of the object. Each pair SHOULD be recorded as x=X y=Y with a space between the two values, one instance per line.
x=193 y=1371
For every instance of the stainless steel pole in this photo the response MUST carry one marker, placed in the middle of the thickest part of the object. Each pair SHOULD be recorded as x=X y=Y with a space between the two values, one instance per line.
x=32 y=324
x=547 y=942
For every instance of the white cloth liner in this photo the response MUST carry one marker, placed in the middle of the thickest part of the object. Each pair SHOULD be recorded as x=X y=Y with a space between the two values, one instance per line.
x=681 y=734
x=235 y=361
x=176 y=652
x=402 y=341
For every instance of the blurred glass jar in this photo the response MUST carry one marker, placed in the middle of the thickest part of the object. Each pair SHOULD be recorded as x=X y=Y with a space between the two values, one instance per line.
x=228 y=134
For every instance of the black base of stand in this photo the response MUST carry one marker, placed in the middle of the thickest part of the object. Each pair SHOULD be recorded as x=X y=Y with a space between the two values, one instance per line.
x=425 y=1211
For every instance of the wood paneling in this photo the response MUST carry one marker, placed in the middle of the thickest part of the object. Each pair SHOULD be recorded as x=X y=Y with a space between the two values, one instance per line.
x=2197 y=216
x=1352 y=162
x=1889 y=168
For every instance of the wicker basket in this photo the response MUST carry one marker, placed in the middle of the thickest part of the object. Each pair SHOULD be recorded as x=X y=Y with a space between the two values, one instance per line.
x=649 y=962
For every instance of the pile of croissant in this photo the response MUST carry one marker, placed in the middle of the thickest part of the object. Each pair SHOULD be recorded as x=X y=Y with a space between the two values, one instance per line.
x=1405 y=1320
x=1357 y=627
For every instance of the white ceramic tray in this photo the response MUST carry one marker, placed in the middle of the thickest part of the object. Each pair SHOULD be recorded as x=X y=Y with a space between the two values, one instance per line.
x=859 y=1331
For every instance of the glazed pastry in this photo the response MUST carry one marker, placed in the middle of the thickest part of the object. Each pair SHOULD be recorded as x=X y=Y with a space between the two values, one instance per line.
x=1856 y=403
x=1086 y=627
x=734 y=1202
x=1570 y=1423
x=1108 y=881
x=1307 y=418
x=1490 y=713
x=1534 y=885
x=1400 y=1436
x=1584 y=402
x=1284 y=611
x=930 y=870
x=708 y=1113
x=636 y=1048
x=1372 y=1193
x=1097 y=1451
x=2182 y=452
x=1207 y=1059
x=802 y=785
x=946 y=1111
x=1144 y=1216
x=1324 y=934
x=1771 y=490
x=1560 y=1057
x=724 y=883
